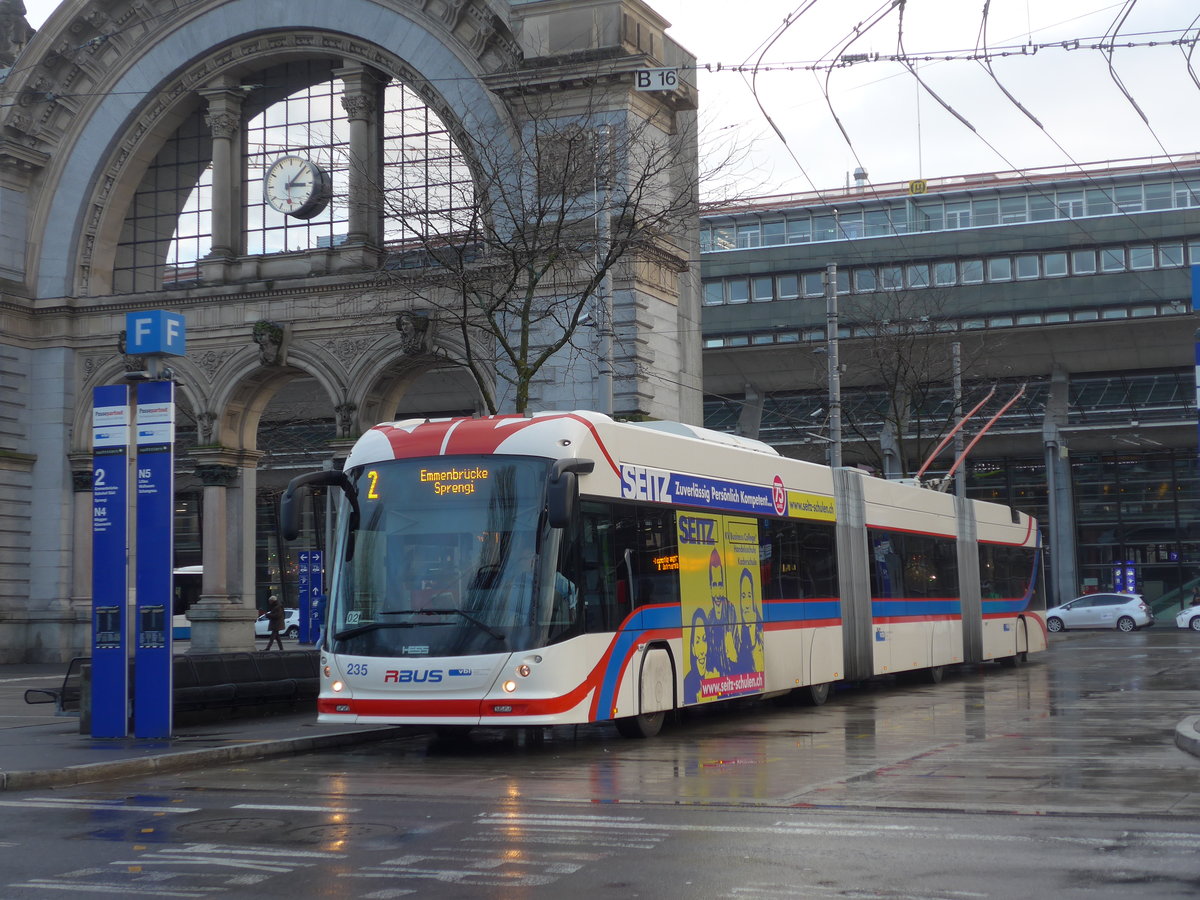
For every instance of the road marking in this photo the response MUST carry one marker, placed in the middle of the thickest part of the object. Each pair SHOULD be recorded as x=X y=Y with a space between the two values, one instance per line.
x=47 y=803
x=295 y=809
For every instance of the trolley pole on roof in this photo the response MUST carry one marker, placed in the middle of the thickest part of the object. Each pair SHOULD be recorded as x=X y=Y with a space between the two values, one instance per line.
x=835 y=371
x=960 y=477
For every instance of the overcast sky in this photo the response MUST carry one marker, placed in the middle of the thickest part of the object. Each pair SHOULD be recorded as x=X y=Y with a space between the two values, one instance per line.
x=898 y=131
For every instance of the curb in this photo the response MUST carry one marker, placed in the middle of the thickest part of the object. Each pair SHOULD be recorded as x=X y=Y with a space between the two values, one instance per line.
x=189 y=759
x=1187 y=735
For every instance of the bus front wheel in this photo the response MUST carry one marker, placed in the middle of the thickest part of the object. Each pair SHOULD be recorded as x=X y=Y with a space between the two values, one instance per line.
x=646 y=725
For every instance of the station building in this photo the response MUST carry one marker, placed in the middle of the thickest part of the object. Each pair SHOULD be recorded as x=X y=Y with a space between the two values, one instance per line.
x=1073 y=283
x=140 y=143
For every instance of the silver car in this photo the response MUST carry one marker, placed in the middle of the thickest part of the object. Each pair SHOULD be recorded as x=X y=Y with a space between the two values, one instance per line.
x=1124 y=612
x=1189 y=618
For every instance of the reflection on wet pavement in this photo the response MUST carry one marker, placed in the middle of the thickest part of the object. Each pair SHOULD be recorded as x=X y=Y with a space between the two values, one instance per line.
x=1087 y=727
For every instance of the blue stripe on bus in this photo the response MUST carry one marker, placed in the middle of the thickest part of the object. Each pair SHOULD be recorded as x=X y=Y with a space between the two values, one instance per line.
x=992 y=607
x=888 y=609
x=775 y=611
x=647 y=618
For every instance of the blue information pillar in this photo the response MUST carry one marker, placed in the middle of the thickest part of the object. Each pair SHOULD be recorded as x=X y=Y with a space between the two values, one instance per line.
x=309 y=587
x=155 y=559
x=110 y=551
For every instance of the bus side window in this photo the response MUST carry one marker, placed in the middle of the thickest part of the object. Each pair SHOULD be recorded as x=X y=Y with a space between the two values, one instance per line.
x=601 y=575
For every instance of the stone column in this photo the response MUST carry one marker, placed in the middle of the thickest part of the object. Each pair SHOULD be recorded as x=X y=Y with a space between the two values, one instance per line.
x=362 y=99
x=221 y=620
x=224 y=119
x=81 y=537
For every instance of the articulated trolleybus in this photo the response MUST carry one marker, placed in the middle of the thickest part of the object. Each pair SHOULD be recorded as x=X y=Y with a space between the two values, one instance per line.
x=565 y=568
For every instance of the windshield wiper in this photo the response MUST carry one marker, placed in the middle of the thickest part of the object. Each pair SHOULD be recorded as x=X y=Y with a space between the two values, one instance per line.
x=368 y=626
x=446 y=611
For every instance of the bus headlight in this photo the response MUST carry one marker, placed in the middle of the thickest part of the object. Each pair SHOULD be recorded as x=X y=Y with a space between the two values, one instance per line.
x=510 y=686
x=337 y=687
x=523 y=670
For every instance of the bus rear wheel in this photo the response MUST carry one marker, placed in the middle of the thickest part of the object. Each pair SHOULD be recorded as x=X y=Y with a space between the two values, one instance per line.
x=646 y=725
x=812 y=694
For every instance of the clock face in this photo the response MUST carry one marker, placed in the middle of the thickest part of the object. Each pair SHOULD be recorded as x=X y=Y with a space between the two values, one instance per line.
x=296 y=187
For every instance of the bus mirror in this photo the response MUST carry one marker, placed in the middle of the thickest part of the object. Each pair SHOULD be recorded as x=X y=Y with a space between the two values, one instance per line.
x=289 y=509
x=562 y=498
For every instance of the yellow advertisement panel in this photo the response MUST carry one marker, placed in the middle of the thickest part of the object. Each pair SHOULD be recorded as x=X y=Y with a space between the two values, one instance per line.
x=811 y=506
x=721 y=598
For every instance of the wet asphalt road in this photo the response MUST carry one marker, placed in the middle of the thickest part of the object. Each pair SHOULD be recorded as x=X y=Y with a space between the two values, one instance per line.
x=1059 y=777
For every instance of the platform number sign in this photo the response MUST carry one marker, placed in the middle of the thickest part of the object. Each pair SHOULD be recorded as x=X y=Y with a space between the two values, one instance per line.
x=656 y=79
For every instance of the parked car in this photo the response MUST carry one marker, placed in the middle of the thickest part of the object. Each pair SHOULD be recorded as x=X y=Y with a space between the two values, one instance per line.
x=1125 y=612
x=291 y=625
x=1189 y=618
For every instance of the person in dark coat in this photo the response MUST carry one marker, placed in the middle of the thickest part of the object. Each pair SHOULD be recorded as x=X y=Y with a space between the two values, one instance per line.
x=275 y=619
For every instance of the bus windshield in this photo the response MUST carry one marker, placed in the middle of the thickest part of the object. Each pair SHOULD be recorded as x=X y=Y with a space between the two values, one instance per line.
x=445 y=560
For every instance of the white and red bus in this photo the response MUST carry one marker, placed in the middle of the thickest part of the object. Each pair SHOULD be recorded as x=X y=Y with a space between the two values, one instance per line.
x=566 y=568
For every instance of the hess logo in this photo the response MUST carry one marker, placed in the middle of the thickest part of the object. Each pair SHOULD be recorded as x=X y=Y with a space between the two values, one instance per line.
x=412 y=676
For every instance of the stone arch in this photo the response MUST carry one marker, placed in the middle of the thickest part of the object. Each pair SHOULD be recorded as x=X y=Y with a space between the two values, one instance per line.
x=134 y=54
x=246 y=387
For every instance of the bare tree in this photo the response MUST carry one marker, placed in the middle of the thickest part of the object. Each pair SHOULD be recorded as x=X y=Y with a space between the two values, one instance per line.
x=515 y=247
x=902 y=366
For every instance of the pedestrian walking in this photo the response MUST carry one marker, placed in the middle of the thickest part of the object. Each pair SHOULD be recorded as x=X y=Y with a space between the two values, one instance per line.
x=275 y=618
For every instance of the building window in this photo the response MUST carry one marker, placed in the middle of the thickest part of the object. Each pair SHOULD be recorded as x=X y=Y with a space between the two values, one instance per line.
x=918 y=275
x=1170 y=256
x=712 y=343
x=1013 y=210
x=944 y=274
x=1099 y=202
x=706 y=245
x=878 y=222
x=814 y=284
x=788 y=287
x=929 y=217
x=1041 y=208
x=1028 y=266
x=737 y=340
x=774 y=234
x=864 y=280
x=891 y=278
x=1158 y=196
x=762 y=339
x=1054 y=265
x=1128 y=198
x=1057 y=318
x=1141 y=257
x=999 y=268
x=1070 y=204
x=971 y=271
x=958 y=215
x=763 y=285
x=739 y=290
x=787 y=337
x=722 y=237
x=799 y=231
x=824 y=228
x=987 y=212
x=1083 y=262
x=1112 y=259
x=749 y=236
x=1194 y=253
x=714 y=293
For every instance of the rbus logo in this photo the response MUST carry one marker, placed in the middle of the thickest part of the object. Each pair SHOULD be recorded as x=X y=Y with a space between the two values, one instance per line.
x=412 y=676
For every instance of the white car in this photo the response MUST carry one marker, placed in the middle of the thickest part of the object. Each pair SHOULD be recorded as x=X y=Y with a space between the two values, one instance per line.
x=1124 y=612
x=1189 y=618
x=291 y=625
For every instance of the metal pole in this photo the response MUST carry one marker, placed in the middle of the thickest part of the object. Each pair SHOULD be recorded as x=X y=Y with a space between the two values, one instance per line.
x=835 y=372
x=960 y=477
x=604 y=291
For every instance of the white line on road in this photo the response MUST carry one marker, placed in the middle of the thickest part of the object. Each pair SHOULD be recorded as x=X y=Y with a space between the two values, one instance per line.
x=329 y=809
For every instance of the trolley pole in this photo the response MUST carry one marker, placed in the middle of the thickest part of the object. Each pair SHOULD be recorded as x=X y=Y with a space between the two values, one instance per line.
x=835 y=371
x=960 y=477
